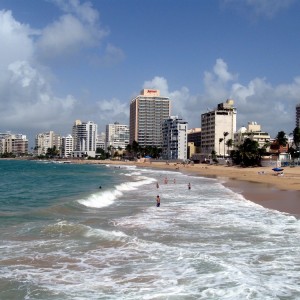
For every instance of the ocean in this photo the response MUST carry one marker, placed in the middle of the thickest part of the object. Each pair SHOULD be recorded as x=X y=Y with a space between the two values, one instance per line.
x=71 y=231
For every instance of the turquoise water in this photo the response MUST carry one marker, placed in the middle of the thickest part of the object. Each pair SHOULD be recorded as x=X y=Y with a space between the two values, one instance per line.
x=62 y=237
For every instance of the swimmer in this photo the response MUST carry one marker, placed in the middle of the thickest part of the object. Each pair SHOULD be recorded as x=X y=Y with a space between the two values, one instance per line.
x=157 y=201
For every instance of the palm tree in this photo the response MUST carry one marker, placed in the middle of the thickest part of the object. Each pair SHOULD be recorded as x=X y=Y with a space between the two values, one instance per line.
x=281 y=140
x=296 y=137
x=249 y=153
x=229 y=144
x=220 y=141
x=225 y=134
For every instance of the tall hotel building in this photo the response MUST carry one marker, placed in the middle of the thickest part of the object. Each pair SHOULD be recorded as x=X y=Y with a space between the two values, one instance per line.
x=147 y=113
x=213 y=126
x=84 y=135
x=298 y=115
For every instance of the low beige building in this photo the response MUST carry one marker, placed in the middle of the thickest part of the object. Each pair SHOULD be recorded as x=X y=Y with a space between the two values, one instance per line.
x=253 y=132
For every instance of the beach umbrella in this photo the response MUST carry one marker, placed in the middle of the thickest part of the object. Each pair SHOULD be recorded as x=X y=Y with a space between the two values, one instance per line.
x=277 y=169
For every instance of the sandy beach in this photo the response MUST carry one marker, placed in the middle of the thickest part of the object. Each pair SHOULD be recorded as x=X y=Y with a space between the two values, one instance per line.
x=259 y=184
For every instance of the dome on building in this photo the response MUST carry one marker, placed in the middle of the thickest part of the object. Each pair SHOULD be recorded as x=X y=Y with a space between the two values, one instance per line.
x=242 y=130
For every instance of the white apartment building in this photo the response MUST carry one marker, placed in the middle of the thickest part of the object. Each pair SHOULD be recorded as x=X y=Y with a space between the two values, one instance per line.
x=147 y=113
x=46 y=140
x=101 y=141
x=67 y=146
x=84 y=135
x=215 y=125
x=253 y=132
x=174 y=132
x=117 y=135
x=16 y=144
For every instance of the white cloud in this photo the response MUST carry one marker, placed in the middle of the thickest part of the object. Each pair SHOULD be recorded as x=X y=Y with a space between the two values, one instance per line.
x=216 y=83
x=268 y=8
x=272 y=107
x=260 y=8
x=112 y=56
x=84 y=10
x=158 y=83
x=67 y=35
x=16 y=40
x=27 y=101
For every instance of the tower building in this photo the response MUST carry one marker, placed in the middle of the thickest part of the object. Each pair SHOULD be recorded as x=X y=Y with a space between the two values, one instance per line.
x=147 y=113
x=174 y=138
x=84 y=135
x=298 y=115
x=217 y=127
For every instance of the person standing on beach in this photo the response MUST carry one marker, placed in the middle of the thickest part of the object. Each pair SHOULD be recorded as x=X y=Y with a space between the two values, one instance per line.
x=157 y=201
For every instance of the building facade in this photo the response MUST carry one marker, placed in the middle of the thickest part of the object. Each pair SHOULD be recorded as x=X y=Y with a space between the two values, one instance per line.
x=117 y=135
x=253 y=132
x=67 y=146
x=298 y=115
x=46 y=140
x=84 y=135
x=174 y=132
x=147 y=113
x=16 y=144
x=101 y=141
x=216 y=125
x=194 y=136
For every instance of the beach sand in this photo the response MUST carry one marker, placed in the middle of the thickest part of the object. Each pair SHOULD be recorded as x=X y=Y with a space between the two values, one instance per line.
x=257 y=184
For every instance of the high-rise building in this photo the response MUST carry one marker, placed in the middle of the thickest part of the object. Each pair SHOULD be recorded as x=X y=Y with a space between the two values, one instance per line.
x=218 y=126
x=117 y=135
x=67 y=145
x=174 y=132
x=298 y=115
x=46 y=140
x=84 y=135
x=147 y=113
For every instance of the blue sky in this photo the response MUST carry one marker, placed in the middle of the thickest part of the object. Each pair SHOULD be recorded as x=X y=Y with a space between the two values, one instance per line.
x=62 y=60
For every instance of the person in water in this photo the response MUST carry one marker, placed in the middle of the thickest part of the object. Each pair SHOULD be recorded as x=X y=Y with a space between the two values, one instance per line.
x=157 y=201
x=189 y=186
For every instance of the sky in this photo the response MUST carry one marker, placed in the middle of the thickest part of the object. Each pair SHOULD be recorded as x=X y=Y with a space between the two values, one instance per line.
x=64 y=60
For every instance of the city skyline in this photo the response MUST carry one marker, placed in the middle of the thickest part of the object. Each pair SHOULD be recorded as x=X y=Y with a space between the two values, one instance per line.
x=66 y=60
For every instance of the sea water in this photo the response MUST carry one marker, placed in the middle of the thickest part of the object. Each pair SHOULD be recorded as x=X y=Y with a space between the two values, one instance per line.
x=64 y=237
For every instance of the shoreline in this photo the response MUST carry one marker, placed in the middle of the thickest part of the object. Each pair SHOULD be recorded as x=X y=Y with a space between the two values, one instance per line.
x=259 y=185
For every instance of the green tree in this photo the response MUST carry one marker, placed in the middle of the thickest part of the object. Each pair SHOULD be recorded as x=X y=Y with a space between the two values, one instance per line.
x=214 y=156
x=100 y=153
x=52 y=152
x=248 y=154
x=229 y=144
x=281 y=140
x=296 y=137
x=220 y=141
x=225 y=134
